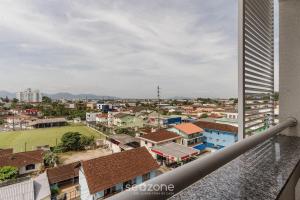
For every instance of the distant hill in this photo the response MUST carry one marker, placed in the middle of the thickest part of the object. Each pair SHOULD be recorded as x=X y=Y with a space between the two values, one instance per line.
x=61 y=95
x=10 y=95
x=69 y=96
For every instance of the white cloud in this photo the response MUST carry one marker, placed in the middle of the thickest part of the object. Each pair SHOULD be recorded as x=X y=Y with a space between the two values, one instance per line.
x=120 y=47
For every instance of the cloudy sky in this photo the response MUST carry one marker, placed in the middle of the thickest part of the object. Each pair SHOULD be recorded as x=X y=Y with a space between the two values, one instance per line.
x=120 y=48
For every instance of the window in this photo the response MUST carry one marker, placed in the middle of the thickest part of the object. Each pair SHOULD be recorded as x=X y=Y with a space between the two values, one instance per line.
x=30 y=167
x=146 y=177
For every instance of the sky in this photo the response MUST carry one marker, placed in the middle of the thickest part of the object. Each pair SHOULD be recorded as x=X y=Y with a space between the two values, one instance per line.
x=122 y=48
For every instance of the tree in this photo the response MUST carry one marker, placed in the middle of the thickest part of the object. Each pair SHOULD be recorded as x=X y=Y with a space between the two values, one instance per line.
x=50 y=159
x=47 y=100
x=87 y=140
x=71 y=141
x=204 y=115
x=8 y=172
x=15 y=100
x=1 y=121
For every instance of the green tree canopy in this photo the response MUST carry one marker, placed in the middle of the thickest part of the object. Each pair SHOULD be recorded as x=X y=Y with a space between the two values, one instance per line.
x=8 y=172
x=50 y=159
x=47 y=100
x=71 y=141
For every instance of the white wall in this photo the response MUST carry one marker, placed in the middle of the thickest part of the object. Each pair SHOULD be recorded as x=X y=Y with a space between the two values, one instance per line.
x=84 y=190
x=289 y=54
x=23 y=170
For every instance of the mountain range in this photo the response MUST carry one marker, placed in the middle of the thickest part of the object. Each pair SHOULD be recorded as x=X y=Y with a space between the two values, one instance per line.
x=61 y=95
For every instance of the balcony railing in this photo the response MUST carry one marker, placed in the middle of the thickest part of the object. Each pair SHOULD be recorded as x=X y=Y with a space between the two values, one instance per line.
x=192 y=172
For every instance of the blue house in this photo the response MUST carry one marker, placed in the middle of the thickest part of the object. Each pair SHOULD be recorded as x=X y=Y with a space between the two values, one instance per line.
x=105 y=176
x=217 y=135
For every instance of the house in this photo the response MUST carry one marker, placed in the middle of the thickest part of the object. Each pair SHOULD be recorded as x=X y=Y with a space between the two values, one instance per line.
x=104 y=176
x=159 y=137
x=170 y=153
x=102 y=118
x=91 y=117
x=218 y=135
x=63 y=175
x=122 y=119
x=127 y=120
x=31 y=112
x=122 y=142
x=26 y=188
x=26 y=162
x=104 y=107
x=91 y=105
x=164 y=120
x=191 y=134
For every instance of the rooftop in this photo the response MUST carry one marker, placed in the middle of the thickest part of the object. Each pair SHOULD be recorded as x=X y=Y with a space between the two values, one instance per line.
x=21 y=159
x=174 y=150
x=104 y=172
x=216 y=126
x=62 y=173
x=124 y=138
x=189 y=128
x=20 y=190
x=160 y=135
x=44 y=121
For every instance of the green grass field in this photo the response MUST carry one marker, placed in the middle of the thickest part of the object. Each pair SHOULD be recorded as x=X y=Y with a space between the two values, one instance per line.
x=36 y=137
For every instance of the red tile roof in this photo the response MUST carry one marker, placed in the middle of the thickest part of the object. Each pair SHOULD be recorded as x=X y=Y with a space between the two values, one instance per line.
x=160 y=135
x=189 y=128
x=63 y=173
x=22 y=159
x=217 y=126
x=6 y=151
x=105 y=172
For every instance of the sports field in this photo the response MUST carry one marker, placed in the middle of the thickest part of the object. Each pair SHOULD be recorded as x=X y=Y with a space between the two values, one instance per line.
x=32 y=138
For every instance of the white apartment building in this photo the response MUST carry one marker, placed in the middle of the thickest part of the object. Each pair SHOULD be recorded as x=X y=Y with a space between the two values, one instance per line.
x=29 y=96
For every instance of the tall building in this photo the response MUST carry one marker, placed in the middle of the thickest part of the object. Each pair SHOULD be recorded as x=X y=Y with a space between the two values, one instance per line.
x=29 y=96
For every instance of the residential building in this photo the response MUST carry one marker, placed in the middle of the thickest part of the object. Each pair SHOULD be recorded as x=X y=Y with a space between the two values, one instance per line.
x=217 y=135
x=190 y=133
x=91 y=116
x=104 y=107
x=104 y=176
x=122 y=142
x=127 y=120
x=29 y=96
x=173 y=153
x=91 y=105
x=26 y=162
x=164 y=121
x=159 y=137
x=64 y=175
x=102 y=118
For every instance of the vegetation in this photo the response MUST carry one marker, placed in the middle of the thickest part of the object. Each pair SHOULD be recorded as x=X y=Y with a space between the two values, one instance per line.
x=8 y=172
x=74 y=141
x=39 y=137
x=50 y=159
x=55 y=190
x=204 y=115
x=127 y=131
x=1 y=121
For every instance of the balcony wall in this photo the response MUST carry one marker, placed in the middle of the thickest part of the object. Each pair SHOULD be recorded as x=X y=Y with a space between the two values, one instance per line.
x=289 y=69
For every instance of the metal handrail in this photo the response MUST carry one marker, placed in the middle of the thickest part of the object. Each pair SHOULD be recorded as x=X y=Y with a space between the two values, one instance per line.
x=186 y=175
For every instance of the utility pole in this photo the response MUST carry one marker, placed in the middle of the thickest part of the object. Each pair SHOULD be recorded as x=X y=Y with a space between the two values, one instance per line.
x=158 y=107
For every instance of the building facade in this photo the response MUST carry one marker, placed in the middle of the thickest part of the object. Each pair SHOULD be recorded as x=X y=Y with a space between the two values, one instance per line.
x=29 y=96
